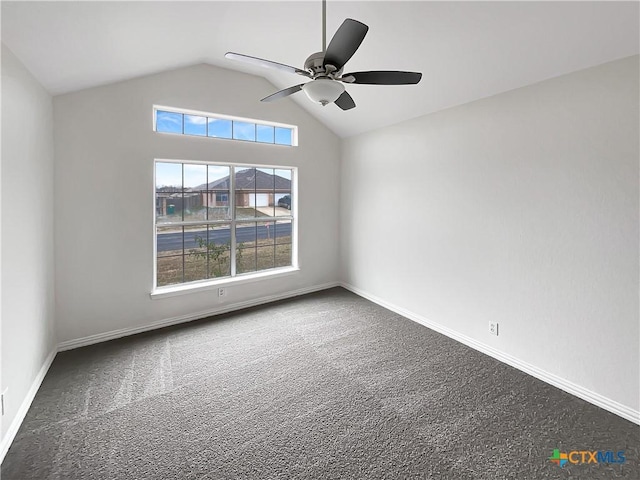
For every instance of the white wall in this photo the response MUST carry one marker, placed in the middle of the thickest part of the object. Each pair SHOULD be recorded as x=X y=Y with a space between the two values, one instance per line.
x=27 y=233
x=522 y=209
x=105 y=149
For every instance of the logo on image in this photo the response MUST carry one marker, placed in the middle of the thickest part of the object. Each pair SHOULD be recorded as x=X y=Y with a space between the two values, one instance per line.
x=577 y=457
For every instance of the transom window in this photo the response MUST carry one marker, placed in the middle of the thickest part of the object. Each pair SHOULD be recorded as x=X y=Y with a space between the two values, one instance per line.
x=202 y=124
x=215 y=221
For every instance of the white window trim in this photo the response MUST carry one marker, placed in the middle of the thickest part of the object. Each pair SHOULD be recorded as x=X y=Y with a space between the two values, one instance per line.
x=235 y=279
x=196 y=287
x=186 y=111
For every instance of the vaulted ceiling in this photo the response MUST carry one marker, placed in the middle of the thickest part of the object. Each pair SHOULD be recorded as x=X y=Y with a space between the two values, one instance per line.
x=465 y=50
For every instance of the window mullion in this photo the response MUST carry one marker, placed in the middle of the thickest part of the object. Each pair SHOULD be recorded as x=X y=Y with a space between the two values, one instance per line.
x=192 y=223
x=182 y=214
x=232 y=206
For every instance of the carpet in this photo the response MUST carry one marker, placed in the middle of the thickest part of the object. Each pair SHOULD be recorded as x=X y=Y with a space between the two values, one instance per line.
x=322 y=386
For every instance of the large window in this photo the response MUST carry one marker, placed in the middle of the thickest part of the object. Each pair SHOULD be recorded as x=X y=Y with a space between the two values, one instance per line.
x=215 y=221
x=202 y=124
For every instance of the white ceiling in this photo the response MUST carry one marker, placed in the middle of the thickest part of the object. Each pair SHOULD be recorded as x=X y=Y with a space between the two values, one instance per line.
x=465 y=50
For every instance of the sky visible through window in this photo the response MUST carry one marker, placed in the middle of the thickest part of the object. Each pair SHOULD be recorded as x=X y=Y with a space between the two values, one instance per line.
x=219 y=128
x=244 y=131
x=195 y=125
x=200 y=125
x=265 y=133
x=170 y=174
x=169 y=122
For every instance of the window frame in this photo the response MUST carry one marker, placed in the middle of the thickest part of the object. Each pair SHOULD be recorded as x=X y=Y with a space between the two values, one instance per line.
x=220 y=116
x=234 y=277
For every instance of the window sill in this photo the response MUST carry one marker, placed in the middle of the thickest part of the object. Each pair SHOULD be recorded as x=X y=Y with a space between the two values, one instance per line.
x=183 y=289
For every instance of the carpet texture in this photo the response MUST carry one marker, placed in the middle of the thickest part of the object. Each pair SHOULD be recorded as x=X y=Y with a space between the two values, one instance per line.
x=324 y=386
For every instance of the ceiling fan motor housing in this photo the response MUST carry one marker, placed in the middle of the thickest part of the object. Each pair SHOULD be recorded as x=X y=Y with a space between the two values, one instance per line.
x=315 y=65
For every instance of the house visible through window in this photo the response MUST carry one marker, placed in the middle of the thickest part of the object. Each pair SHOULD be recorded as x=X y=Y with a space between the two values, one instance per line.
x=215 y=221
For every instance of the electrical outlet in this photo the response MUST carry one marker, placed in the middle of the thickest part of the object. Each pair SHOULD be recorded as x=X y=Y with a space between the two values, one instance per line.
x=222 y=292
x=493 y=329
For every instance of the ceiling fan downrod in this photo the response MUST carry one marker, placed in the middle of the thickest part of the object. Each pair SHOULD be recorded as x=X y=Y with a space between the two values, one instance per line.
x=324 y=25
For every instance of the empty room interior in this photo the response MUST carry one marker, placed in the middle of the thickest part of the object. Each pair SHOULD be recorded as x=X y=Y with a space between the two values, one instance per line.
x=320 y=239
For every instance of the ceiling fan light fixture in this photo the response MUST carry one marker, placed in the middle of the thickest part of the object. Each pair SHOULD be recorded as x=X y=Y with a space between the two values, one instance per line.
x=323 y=90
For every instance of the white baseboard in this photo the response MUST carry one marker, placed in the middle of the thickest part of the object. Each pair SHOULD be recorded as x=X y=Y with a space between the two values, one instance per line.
x=24 y=406
x=123 y=332
x=594 y=398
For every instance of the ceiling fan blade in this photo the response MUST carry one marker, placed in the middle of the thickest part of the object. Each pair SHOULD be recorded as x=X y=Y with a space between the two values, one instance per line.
x=282 y=93
x=383 y=78
x=345 y=102
x=344 y=43
x=265 y=63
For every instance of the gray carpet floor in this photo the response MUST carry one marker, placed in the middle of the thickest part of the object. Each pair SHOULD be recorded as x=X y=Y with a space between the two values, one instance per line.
x=324 y=386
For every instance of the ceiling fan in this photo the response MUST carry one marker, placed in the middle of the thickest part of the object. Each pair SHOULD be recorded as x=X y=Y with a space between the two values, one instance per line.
x=325 y=68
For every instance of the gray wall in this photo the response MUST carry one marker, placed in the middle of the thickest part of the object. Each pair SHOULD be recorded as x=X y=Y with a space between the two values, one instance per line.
x=105 y=149
x=27 y=329
x=520 y=209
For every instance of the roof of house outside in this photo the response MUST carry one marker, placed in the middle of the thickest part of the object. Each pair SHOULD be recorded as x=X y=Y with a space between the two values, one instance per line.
x=250 y=179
